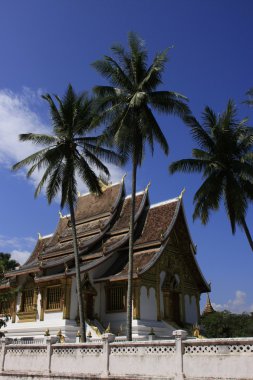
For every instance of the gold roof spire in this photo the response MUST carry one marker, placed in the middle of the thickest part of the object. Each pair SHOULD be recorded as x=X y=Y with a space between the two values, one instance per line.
x=182 y=193
x=208 y=308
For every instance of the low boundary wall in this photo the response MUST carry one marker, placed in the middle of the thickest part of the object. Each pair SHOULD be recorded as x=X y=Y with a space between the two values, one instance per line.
x=175 y=359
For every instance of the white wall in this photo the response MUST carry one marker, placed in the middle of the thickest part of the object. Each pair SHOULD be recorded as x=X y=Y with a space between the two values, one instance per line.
x=148 y=308
x=191 y=309
x=162 y=277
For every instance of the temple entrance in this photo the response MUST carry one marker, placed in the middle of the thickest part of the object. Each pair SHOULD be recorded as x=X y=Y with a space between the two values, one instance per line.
x=89 y=292
x=171 y=298
x=89 y=306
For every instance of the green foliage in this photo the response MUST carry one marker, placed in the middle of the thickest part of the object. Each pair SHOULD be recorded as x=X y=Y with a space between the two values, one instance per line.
x=71 y=151
x=227 y=325
x=127 y=105
x=6 y=263
x=225 y=159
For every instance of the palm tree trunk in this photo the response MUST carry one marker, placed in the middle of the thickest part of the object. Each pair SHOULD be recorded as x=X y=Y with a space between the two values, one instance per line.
x=78 y=276
x=130 y=260
x=247 y=233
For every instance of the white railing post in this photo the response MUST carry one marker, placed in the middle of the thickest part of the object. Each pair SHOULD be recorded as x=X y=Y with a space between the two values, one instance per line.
x=106 y=339
x=4 y=342
x=48 y=341
x=179 y=370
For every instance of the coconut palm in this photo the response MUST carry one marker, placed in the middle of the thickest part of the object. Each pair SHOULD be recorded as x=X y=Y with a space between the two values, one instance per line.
x=126 y=108
x=249 y=101
x=68 y=153
x=225 y=159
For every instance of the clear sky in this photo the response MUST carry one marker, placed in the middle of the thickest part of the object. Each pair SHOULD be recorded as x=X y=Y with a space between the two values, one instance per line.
x=46 y=44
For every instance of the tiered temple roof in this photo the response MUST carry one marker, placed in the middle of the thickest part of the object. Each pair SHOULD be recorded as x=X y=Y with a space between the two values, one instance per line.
x=102 y=224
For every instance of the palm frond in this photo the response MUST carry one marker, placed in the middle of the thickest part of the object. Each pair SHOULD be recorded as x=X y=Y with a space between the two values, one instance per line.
x=169 y=102
x=189 y=165
x=153 y=128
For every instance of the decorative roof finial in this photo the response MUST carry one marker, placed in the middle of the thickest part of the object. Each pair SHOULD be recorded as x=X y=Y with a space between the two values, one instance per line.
x=182 y=193
x=148 y=186
x=108 y=330
x=60 y=214
x=39 y=235
x=78 y=194
x=124 y=176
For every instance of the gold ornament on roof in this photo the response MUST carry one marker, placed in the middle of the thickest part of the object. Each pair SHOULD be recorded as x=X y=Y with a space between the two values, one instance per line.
x=124 y=176
x=60 y=214
x=39 y=235
x=108 y=329
x=103 y=184
x=182 y=193
x=148 y=186
x=78 y=194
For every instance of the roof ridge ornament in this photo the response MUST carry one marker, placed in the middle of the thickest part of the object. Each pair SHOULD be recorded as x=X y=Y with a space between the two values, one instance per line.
x=78 y=194
x=148 y=186
x=39 y=235
x=60 y=215
x=182 y=193
x=123 y=178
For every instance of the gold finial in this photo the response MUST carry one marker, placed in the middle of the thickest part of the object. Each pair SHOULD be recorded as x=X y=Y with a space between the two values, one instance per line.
x=66 y=267
x=182 y=193
x=59 y=333
x=148 y=186
x=47 y=333
x=39 y=235
x=108 y=329
x=103 y=184
x=123 y=178
x=78 y=194
x=78 y=334
x=60 y=214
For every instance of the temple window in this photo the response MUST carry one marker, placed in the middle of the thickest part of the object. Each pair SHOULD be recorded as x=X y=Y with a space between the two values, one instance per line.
x=27 y=300
x=54 y=298
x=5 y=308
x=115 y=299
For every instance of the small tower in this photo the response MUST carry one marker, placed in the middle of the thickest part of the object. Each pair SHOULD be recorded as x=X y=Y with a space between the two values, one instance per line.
x=208 y=308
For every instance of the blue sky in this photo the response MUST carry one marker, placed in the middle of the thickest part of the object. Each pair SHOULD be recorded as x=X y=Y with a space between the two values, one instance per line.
x=47 y=44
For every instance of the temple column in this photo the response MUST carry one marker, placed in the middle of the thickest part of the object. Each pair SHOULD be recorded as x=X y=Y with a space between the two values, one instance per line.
x=67 y=299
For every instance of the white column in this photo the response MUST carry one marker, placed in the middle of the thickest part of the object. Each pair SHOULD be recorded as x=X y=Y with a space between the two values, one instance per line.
x=179 y=370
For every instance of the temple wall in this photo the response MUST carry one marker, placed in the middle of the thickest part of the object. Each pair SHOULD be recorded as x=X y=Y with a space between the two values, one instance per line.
x=148 y=307
x=191 y=309
x=177 y=359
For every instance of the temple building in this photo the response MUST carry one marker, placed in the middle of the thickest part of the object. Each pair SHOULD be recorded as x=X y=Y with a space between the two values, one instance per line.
x=167 y=281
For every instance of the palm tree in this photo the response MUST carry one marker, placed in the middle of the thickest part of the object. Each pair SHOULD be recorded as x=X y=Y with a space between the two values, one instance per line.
x=69 y=152
x=249 y=101
x=225 y=159
x=126 y=108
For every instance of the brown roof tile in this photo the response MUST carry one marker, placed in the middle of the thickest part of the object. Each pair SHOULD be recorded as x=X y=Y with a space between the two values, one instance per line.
x=157 y=222
x=91 y=205
x=124 y=218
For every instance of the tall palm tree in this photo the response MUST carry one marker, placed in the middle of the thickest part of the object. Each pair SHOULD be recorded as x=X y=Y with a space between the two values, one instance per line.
x=68 y=153
x=249 y=101
x=225 y=159
x=126 y=108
